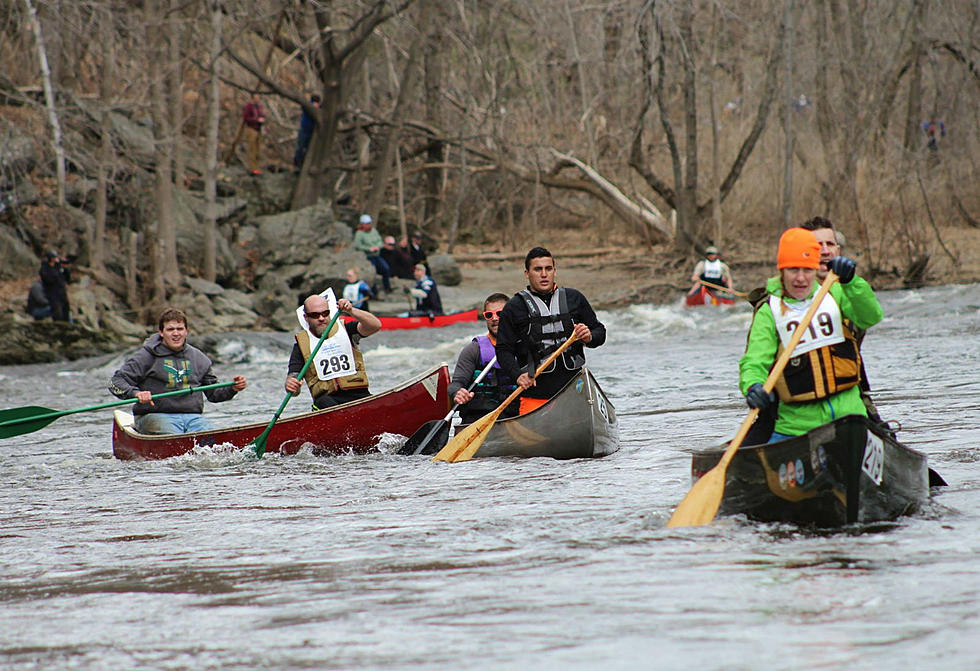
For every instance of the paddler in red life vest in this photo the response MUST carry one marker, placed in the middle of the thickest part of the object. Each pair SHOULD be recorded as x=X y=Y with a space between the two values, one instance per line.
x=535 y=322
x=495 y=387
x=713 y=270
x=820 y=382
x=337 y=374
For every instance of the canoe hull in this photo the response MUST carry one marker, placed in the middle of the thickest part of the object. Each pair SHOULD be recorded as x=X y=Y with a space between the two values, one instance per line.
x=704 y=296
x=350 y=428
x=844 y=472
x=578 y=423
x=435 y=321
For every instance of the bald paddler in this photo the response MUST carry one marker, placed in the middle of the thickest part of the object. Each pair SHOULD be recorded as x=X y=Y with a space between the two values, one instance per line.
x=337 y=375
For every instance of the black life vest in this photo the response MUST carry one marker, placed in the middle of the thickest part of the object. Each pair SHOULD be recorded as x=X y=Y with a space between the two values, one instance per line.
x=549 y=325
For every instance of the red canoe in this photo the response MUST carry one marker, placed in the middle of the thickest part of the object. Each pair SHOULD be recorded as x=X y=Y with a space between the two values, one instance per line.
x=704 y=296
x=353 y=427
x=426 y=321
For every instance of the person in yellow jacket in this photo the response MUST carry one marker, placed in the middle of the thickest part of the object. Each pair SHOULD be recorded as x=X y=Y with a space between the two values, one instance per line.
x=820 y=382
x=338 y=389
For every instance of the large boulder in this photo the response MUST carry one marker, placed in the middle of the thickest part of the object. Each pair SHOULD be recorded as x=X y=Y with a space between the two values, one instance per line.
x=19 y=260
x=445 y=270
x=189 y=210
x=19 y=155
x=299 y=235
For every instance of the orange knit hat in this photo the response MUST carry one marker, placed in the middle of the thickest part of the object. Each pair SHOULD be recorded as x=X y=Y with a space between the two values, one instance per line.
x=798 y=248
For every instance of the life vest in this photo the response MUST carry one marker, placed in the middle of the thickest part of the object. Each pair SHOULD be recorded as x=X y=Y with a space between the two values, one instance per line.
x=712 y=271
x=827 y=359
x=318 y=387
x=549 y=325
x=492 y=390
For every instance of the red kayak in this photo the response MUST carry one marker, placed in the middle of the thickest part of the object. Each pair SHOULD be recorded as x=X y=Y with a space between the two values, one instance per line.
x=352 y=427
x=704 y=296
x=417 y=321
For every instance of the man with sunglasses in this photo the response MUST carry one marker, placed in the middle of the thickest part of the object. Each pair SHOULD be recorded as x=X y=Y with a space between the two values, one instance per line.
x=490 y=392
x=535 y=322
x=338 y=390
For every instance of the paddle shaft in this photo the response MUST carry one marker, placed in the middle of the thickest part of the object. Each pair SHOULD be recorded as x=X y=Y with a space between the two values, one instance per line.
x=435 y=429
x=721 y=288
x=54 y=414
x=701 y=503
x=468 y=441
x=259 y=445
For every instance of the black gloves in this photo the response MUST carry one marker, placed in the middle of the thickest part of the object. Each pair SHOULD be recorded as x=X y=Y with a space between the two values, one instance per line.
x=757 y=397
x=843 y=267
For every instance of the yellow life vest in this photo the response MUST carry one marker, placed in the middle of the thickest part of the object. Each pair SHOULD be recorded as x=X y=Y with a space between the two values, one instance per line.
x=356 y=380
x=824 y=371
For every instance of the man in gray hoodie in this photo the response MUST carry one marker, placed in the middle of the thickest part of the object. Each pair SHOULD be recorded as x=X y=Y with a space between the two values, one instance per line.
x=167 y=363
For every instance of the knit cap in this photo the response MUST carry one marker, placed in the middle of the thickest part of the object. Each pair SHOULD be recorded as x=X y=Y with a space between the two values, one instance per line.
x=798 y=248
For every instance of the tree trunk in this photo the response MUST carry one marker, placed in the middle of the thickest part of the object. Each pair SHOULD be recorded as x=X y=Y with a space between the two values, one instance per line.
x=97 y=245
x=379 y=185
x=50 y=102
x=211 y=153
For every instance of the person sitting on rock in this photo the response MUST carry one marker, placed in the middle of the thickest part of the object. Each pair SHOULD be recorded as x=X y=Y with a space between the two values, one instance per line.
x=37 y=302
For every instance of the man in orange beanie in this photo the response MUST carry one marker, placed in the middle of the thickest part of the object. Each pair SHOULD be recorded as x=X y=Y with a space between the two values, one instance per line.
x=826 y=363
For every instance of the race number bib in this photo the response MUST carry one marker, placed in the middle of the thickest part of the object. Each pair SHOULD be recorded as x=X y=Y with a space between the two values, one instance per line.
x=336 y=356
x=826 y=327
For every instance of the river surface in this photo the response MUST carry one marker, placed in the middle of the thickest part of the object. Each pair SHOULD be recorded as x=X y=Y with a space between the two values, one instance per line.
x=218 y=561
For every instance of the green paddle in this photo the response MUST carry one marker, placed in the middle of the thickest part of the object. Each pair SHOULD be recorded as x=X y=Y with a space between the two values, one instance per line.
x=259 y=445
x=18 y=421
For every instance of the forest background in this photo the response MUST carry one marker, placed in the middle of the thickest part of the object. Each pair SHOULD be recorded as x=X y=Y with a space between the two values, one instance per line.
x=641 y=129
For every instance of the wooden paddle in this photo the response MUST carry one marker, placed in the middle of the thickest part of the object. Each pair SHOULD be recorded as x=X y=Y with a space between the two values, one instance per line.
x=718 y=287
x=258 y=445
x=468 y=441
x=701 y=504
x=438 y=424
x=18 y=421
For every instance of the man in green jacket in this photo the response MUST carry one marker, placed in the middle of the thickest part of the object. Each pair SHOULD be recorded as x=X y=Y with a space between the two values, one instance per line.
x=368 y=240
x=820 y=382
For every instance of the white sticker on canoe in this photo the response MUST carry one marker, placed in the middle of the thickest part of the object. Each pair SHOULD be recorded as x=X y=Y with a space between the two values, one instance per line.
x=431 y=385
x=874 y=458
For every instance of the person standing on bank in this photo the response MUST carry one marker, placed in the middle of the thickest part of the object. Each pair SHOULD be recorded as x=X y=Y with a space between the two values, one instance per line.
x=496 y=386
x=307 y=124
x=55 y=277
x=167 y=363
x=340 y=377
x=535 y=322
x=821 y=381
x=254 y=118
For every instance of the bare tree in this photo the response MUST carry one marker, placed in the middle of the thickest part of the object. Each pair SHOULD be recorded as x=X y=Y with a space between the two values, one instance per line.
x=211 y=152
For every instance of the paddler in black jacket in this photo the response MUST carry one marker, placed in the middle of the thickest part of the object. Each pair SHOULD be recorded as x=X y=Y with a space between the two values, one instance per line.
x=535 y=322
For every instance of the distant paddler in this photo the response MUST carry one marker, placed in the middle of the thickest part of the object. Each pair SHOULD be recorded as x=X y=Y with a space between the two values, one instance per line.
x=711 y=272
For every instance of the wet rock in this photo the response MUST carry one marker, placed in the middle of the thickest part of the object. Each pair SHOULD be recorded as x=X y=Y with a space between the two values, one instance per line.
x=28 y=341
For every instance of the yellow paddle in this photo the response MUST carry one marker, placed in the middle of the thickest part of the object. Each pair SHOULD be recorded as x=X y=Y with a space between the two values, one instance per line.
x=701 y=504
x=468 y=441
x=721 y=288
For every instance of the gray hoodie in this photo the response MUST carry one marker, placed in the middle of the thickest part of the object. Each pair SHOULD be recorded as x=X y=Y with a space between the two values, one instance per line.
x=157 y=369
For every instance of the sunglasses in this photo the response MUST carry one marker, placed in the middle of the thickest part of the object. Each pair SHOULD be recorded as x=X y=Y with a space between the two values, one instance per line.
x=318 y=315
x=490 y=314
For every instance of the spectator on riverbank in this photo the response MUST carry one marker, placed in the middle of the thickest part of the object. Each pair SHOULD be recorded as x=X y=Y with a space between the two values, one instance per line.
x=55 y=276
x=37 y=303
x=368 y=240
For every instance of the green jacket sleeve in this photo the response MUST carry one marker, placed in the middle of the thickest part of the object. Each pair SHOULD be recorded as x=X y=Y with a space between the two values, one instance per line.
x=760 y=349
x=858 y=303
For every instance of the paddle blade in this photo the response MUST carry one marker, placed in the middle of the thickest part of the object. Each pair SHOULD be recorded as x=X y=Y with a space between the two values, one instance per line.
x=429 y=439
x=468 y=441
x=701 y=504
x=18 y=421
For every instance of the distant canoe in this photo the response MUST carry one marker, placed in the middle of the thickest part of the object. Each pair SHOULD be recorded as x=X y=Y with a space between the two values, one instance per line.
x=704 y=296
x=418 y=320
x=579 y=422
x=349 y=428
x=844 y=472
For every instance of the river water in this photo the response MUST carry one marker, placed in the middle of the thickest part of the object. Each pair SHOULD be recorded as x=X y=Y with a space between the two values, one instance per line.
x=216 y=561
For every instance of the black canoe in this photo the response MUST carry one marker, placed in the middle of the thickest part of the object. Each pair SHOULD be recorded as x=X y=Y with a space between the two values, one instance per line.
x=844 y=472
